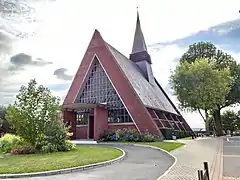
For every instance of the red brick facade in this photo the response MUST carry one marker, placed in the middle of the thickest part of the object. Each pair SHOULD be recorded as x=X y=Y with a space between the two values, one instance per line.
x=69 y=118
x=100 y=121
x=82 y=130
x=140 y=115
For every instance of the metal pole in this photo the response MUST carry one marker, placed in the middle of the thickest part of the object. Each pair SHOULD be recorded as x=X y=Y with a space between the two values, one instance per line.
x=206 y=169
x=200 y=175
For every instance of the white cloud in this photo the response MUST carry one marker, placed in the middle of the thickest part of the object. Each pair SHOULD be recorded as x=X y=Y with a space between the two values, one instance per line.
x=66 y=28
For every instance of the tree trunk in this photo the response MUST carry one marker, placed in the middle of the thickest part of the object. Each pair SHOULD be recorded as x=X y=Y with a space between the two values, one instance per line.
x=207 y=123
x=218 y=122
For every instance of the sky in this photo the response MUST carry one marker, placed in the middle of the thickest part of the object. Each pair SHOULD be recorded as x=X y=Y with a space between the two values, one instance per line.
x=48 y=40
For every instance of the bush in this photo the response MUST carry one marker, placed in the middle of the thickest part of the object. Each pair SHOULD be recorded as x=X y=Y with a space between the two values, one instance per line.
x=167 y=133
x=49 y=148
x=69 y=145
x=26 y=149
x=15 y=145
x=8 y=141
x=58 y=135
x=129 y=135
x=148 y=138
x=34 y=110
x=108 y=136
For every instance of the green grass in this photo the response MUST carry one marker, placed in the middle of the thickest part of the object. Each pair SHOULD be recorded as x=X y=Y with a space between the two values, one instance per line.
x=186 y=138
x=83 y=155
x=168 y=146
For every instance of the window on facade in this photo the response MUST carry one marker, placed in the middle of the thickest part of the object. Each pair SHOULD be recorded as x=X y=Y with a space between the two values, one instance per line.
x=160 y=115
x=98 y=89
x=82 y=118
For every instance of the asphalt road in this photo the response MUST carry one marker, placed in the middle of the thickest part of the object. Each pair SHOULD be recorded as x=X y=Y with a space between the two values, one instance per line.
x=141 y=164
x=231 y=157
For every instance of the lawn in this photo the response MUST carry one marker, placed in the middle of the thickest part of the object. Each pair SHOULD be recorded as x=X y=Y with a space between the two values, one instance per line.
x=168 y=146
x=83 y=155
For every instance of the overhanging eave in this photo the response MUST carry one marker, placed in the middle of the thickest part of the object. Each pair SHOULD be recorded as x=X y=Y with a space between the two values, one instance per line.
x=78 y=106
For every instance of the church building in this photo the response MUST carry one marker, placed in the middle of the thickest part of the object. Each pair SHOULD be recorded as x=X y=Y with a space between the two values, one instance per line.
x=111 y=91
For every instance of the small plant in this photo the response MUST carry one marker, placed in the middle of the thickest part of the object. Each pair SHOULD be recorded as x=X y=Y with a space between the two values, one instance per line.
x=27 y=149
x=129 y=135
x=49 y=148
x=15 y=145
x=148 y=138
x=69 y=145
x=8 y=141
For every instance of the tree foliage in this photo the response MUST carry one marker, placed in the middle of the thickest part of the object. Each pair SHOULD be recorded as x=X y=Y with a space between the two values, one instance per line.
x=199 y=50
x=3 y=111
x=198 y=85
x=220 y=61
x=230 y=121
x=34 y=113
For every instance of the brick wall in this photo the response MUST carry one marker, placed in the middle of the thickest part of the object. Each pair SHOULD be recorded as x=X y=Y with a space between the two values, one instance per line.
x=100 y=121
x=82 y=132
x=69 y=117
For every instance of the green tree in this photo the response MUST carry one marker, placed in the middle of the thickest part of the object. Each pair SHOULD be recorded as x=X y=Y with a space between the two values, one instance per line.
x=230 y=121
x=198 y=86
x=3 y=111
x=220 y=60
x=34 y=110
x=199 y=50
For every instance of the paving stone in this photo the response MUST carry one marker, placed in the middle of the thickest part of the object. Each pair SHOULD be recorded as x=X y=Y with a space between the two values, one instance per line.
x=191 y=157
x=231 y=178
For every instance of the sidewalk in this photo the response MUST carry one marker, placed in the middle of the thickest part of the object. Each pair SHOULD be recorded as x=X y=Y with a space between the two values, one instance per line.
x=190 y=158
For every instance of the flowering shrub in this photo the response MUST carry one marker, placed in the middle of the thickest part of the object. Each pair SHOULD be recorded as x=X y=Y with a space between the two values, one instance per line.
x=15 y=145
x=8 y=141
x=130 y=135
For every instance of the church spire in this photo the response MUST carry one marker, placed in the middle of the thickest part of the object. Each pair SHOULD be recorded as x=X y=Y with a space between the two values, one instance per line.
x=139 y=44
x=140 y=55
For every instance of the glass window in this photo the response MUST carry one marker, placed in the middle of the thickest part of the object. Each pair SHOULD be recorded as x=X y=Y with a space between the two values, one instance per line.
x=98 y=89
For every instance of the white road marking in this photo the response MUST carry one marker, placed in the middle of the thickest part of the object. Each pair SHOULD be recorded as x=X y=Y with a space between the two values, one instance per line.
x=231 y=155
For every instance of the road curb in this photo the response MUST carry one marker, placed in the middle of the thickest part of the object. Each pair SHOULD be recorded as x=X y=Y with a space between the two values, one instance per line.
x=217 y=169
x=67 y=170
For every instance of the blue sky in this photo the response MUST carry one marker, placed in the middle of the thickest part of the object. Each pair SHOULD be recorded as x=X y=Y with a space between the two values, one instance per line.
x=59 y=32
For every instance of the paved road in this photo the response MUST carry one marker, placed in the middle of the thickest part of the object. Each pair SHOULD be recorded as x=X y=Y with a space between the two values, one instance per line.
x=231 y=157
x=141 y=164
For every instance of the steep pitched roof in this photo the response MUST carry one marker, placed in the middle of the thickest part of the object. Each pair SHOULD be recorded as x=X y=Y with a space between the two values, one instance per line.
x=98 y=48
x=139 y=43
x=150 y=94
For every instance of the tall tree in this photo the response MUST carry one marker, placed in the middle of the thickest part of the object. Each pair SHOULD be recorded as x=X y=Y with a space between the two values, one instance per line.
x=230 y=121
x=220 y=60
x=35 y=111
x=198 y=86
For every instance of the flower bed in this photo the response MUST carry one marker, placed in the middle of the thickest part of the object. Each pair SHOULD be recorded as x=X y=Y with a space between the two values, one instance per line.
x=128 y=135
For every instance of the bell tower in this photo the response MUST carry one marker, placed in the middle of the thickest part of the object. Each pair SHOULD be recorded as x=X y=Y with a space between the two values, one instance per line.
x=140 y=54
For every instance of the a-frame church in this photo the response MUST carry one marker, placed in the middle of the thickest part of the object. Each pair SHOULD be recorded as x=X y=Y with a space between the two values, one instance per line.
x=111 y=91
